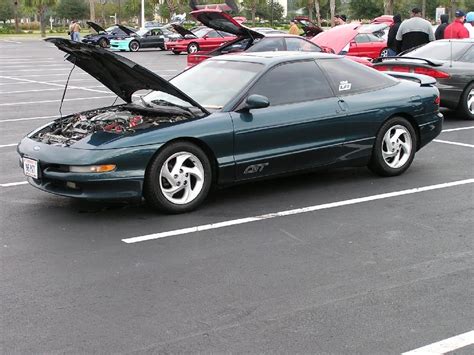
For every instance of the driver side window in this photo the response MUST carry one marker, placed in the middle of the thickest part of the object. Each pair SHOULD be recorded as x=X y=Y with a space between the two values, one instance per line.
x=293 y=82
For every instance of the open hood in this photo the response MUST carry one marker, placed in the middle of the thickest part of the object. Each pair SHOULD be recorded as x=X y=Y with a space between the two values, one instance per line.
x=127 y=30
x=337 y=37
x=95 y=27
x=181 y=30
x=373 y=27
x=118 y=73
x=222 y=21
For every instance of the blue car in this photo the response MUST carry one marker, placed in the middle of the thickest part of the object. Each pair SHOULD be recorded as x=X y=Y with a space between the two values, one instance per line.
x=103 y=37
x=230 y=119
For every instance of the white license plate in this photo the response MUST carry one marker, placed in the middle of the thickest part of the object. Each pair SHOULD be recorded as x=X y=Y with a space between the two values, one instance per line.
x=30 y=167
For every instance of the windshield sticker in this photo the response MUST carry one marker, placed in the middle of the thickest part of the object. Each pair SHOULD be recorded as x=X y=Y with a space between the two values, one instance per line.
x=344 y=85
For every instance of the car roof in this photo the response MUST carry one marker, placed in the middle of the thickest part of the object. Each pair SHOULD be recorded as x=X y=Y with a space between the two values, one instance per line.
x=270 y=58
x=467 y=40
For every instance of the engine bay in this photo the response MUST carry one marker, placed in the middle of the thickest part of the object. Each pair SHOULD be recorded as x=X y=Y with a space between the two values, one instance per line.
x=117 y=120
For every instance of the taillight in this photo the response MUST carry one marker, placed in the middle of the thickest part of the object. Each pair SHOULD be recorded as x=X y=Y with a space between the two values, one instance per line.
x=401 y=69
x=437 y=100
x=432 y=72
x=381 y=67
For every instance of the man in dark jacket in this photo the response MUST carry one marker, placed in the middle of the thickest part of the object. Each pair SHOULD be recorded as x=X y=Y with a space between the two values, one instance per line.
x=439 y=34
x=392 y=44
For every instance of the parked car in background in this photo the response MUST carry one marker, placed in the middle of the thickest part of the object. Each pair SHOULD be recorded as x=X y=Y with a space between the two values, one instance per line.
x=310 y=29
x=450 y=62
x=385 y=19
x=144 y=38
x=203 y=38
x=103 y=37
x=247 y=39
x=355 y=40
x=285 y=112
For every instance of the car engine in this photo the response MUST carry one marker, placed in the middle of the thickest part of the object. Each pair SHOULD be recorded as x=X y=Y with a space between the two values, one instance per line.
x=117 y=120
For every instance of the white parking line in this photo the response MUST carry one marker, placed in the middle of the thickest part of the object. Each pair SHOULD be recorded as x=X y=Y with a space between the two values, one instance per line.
x=54 y=89
x=446 y=345
x=324 y=206
x=47 y=101
x=8 y=145
x=28 y=118
x=10 y=184
x=55 y=85
x=454 y=143
x=457 y=129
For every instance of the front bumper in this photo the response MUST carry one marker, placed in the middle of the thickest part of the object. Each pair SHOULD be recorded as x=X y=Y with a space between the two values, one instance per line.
x=124 y=183
x=119 y=45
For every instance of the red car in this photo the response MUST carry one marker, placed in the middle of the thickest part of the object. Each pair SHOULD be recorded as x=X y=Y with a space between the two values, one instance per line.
x=247 y=39
x=310 y=29
x=355 y=40
x=203 y=39
x=386 y=19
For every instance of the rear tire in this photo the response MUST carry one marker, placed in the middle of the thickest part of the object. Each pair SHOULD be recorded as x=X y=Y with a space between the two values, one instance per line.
x=394 y=148
x=466 y=104
x=193 y=47
x=134 y=46
x=103 y=43
x=178 y=179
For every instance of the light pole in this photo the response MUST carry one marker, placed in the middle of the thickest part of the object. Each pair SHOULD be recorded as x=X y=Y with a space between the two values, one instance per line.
x=271 y=16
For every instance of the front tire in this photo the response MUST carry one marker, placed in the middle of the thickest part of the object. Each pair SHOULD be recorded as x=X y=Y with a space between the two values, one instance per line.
x=134 y=46
x=178 y=179
x=466 y=104
x=103 y=43
x=193 y=47
x=394 y=148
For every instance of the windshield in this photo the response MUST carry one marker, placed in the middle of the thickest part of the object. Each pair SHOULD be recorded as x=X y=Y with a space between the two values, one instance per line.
x=209 y=83
x=440 y=50
x=200 y=32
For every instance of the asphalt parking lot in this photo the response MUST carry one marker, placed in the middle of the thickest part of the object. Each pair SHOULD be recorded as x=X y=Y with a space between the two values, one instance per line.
x=340 y=261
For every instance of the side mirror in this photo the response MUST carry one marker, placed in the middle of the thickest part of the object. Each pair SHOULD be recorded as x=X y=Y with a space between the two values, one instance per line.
x=256 y=101
x=204 y=37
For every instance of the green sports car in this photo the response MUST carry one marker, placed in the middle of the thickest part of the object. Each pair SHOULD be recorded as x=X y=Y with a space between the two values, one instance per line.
x=229 y=119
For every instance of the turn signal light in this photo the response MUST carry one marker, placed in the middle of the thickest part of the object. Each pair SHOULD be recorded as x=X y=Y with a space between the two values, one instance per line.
x=92 y=168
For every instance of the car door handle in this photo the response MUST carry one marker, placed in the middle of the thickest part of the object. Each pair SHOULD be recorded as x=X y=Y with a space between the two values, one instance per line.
x=342 y=105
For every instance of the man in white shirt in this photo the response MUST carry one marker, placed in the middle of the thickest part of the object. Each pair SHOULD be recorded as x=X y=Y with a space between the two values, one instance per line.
x=470 y=23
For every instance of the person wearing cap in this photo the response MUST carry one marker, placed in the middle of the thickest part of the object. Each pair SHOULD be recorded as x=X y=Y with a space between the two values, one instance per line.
x=456 y=30
x=439 y=33
x=294 y=30
x=415 y=31
x=470 y=23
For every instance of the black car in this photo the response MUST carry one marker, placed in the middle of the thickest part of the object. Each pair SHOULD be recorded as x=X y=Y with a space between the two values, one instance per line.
x=451 y=62
x=144 y=38
x=102 y=37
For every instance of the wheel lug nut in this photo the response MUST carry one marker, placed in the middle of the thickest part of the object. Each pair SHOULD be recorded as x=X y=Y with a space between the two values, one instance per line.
x=181 y=171
x=185 y=182
x=187 y=175
x=178 y=183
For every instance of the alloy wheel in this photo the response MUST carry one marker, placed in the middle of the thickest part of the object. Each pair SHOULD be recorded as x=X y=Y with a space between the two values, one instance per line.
x=193 y=48
x=384 y=53
x=397 y=146
x=470 y=101
x=181 y=178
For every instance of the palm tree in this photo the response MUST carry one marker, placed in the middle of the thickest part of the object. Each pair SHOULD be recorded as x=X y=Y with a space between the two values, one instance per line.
x=388 y=7
x=332 y=7
x=41 y=6
x=92 y=9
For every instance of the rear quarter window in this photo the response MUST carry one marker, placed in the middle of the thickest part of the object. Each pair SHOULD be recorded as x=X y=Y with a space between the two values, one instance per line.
x=347 y=77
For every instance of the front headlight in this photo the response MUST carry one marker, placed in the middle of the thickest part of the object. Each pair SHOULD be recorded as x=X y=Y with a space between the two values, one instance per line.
x=93 y=168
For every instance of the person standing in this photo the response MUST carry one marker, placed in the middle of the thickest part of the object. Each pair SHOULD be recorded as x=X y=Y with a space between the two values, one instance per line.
x=456 y=30
x=415 y=31
x=294 y=30
x=340 y=20
x=392 y=44
x=470 y=23
x=439 y=33
x=75 y=31
x=70 y=33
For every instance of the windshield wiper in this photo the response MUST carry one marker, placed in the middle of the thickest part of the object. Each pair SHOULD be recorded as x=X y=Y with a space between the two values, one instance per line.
x=167 y=103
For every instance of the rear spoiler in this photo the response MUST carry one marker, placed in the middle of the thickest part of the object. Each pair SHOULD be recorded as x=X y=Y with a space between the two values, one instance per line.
x=423 y=80
x=431 y=62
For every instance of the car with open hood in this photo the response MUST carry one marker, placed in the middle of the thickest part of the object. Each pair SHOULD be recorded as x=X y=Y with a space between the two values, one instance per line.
x=355 y=40
x=310 y=29
x=450 y=62
x=230 y=119
x=102 y=37
x=203 y=39
x=154 y=37
x=247 y=39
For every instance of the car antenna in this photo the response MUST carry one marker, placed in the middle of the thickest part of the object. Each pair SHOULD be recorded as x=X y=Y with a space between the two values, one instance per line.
x=451 y=56
x=64 y=92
